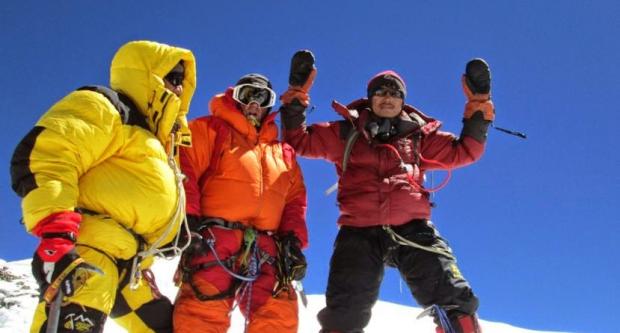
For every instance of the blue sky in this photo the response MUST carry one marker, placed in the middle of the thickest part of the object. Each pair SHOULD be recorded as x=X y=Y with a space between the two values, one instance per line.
x=534 y=223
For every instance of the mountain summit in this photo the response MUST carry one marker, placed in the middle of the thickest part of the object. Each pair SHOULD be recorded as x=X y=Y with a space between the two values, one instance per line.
x=19 y=295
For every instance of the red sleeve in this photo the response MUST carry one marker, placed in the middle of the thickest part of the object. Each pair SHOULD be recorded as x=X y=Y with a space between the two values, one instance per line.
x=294 y=214
x=442 y=150
x=318 y=141
x=194 y=162
x=190 y=183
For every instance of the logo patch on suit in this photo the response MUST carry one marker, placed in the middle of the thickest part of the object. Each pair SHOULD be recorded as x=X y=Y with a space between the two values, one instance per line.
x=78 y=323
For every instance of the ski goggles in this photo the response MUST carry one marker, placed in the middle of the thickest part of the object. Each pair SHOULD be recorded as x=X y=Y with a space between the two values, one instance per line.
x=388 y=92
x=250 y=93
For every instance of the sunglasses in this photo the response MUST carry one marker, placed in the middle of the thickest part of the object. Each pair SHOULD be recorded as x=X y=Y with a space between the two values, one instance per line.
x=249 y=93
x=387 y=92
x=175 y=78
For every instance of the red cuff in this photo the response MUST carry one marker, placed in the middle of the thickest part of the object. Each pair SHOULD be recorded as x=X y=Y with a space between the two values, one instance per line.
x=68 y=222
x=52 y=249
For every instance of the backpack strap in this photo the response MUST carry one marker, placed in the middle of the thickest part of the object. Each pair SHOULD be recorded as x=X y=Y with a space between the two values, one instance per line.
x=351 y=137
x=349 y=134
x=130 y=114
x=222 y=132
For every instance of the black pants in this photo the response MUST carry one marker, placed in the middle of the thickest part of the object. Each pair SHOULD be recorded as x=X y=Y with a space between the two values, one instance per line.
x=357 y=268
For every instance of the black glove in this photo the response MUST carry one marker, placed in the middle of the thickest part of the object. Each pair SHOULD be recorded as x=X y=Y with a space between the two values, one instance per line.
x=291 y=258
x=68 y=274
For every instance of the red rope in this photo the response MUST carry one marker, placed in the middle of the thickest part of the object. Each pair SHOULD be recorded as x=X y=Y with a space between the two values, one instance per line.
x=442 y=166
x=410 y=174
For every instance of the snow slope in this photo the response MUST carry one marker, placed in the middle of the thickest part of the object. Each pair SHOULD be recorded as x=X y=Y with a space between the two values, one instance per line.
x=18 y=298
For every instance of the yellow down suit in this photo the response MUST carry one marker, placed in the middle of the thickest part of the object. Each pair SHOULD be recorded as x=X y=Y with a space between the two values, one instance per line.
x=110 y=158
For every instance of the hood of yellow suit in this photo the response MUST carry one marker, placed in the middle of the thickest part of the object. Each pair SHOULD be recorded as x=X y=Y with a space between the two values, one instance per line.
x=137 y=71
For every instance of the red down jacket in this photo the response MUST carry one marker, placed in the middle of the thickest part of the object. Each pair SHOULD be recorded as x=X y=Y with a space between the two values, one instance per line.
x=374 y=189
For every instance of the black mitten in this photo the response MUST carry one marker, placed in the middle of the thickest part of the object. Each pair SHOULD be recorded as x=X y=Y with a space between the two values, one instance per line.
x=301 y=77
x=478 y=76
x=302 y=65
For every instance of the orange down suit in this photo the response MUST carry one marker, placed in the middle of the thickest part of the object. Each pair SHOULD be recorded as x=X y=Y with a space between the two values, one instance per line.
x=256 y=181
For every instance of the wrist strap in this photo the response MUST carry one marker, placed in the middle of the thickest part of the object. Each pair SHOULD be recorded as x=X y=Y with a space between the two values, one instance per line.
x=64 y=235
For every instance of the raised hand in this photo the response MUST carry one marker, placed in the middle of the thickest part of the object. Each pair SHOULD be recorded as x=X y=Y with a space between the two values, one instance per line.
x=477 y=88
x=301 y=77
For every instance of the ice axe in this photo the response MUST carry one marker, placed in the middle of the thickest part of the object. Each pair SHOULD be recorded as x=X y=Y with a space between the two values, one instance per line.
x=53 y=317
x=66 y=284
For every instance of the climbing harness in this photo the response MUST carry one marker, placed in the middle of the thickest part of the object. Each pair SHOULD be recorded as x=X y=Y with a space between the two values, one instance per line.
x=243 y=267
x=404 y=241
x=249 y=263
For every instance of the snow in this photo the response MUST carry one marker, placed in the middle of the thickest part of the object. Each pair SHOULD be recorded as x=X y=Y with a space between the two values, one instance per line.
x=18 y=298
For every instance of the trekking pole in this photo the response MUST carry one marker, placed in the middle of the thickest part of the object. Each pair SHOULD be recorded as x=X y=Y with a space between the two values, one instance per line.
x=53 y=317
x=511 y=132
